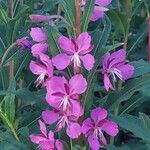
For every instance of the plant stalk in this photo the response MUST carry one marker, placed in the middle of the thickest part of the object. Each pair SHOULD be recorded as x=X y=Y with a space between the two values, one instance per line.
x=78 y=23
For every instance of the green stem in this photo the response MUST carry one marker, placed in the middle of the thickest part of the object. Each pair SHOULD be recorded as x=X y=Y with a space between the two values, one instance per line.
x=116 y=111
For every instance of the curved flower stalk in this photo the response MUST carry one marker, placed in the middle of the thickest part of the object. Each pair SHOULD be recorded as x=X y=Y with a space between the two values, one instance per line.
x=76 y=52
x=64 y=95
x=63 y=120
x=44 y=69
x=99 y=9
x=115 y=65
x=93 y=128
x=46 y=140
x=39 y=36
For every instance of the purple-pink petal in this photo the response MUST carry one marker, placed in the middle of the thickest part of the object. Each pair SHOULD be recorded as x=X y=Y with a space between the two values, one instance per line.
x=86 y=126
x=61 y=61
x=97 y=13
x=58 y=145
x=93 y=142
x=50 y=117
x=98 y=114
x=73 y=130
x=109 y=127
x=37 y=68
x=107 y=83
x=35 y=138
x=39 y=48
x=105 y=60
x=127 y=71
x=42 y=128
x=78 y=84
x=66 y=44
x=117 y=58
x=103 y=2
x=83 y=42
x=38 y=34
x=88 y=61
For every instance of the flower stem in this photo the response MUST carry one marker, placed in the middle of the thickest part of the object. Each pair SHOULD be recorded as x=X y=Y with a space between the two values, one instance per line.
x=149 y=39
x=116 y=111
x=78 y=23
x=10 y=8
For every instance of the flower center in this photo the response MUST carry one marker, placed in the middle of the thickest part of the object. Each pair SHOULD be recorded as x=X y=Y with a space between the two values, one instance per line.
x=115 y=72
x=65 y=102
x=98 y=133
x=40 y=79
x=76 y=60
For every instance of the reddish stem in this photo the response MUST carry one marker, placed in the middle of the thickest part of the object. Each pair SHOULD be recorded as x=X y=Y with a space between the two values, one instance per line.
x=78 y=10
x=149 y=39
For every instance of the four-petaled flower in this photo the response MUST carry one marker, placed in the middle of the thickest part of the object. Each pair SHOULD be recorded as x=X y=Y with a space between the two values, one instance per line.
x=99 y=9
x=115 y=65
x=64 y=95
x=63 y=119
x=44 y=69
x=39 y=36
x=93 y=128
x=46 y=140
x=76 y=51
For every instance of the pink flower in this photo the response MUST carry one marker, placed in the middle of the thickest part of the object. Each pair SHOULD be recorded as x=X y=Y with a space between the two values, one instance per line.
x=44 y=140
x=39 y=36
x=63 y=120
x=99 y=9
x=115 y=65
x=64 y=95
x=43 y=69
x=23 y=42
x=76 y=51
x=93 y=128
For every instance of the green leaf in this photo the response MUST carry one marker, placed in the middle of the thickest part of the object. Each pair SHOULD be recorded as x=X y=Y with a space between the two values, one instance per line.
x=69 y=12
x=10 y=106
x=87 y=14
x=129 y=89
x=53 y=36
x=141 y=67
x=134 y=102
x=29 y=97
x=140 y=36
x=135 y=125
x=145 y=120
x=119 y=21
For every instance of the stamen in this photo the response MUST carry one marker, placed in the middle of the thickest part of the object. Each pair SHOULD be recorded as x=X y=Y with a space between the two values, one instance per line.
x=64 y=103
x=76 y=60
x=116 y=72
x=40 y=79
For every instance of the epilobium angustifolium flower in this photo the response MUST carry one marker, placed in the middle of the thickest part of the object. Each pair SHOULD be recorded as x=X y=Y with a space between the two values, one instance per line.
x=115 y=65
x=93 y=128
x=64 y=95
x=46 y=140
x=43 y=69
x=76 y=52
x=64 y=120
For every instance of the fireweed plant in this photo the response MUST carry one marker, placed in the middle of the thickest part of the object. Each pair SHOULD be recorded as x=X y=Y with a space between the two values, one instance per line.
x=65 y=95
x=72 y=120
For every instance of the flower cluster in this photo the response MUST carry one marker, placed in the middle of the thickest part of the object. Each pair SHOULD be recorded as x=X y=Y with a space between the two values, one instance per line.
x=64 y=95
